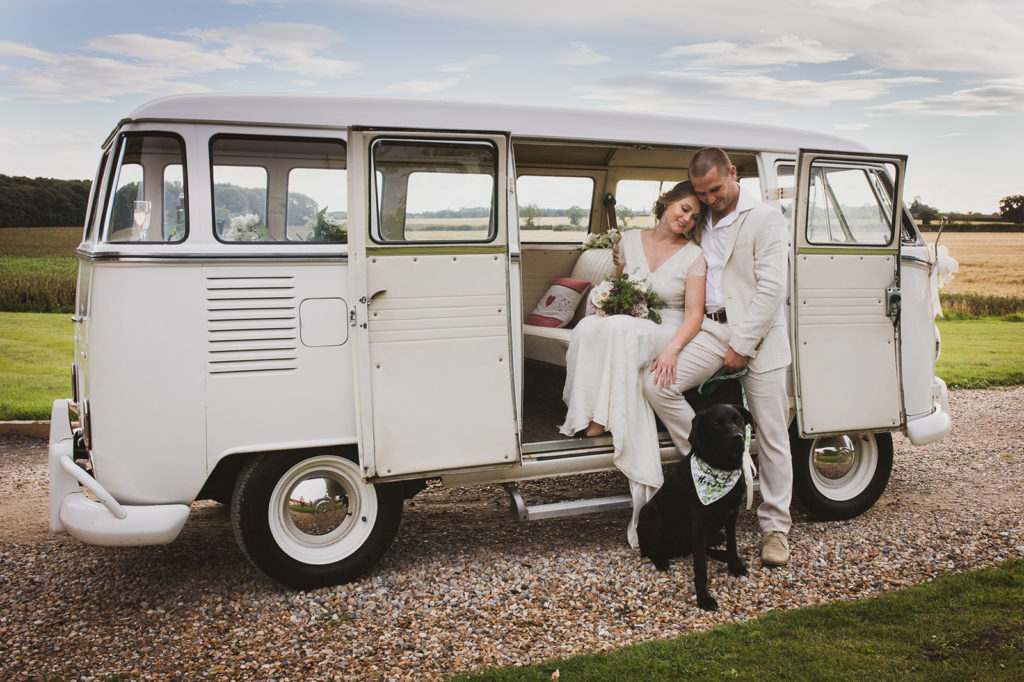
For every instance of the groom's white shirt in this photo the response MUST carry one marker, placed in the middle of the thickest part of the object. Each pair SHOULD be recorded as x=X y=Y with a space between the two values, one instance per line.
x=714 y=241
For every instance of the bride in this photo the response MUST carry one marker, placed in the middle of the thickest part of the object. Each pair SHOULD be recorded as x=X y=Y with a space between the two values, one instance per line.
x=607 y=355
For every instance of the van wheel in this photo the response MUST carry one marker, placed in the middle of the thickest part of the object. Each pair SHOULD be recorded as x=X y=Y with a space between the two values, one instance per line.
x=840 y=477
x=308 y=520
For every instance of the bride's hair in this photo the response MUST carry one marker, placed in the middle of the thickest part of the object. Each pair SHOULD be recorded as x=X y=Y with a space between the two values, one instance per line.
x=680 y=191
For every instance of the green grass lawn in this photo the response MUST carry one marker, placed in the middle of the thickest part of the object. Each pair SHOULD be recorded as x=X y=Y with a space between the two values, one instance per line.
x=968 y=626
x=981 y=353
x=36 y=350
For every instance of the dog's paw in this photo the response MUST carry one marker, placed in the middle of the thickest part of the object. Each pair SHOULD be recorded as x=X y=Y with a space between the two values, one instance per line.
x=707 y=602
x=737 y=569
x=661 y=565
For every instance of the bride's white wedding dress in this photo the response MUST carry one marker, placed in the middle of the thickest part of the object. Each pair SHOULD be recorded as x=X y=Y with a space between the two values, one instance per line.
x=607 y=361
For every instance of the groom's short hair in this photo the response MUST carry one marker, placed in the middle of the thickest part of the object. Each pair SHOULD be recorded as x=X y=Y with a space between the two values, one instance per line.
x=706 y=159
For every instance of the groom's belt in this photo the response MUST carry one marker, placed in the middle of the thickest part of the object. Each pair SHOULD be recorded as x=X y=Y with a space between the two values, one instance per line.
x=717 y=316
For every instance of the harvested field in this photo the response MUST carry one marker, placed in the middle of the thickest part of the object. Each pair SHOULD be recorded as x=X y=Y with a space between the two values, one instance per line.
x=991 y=263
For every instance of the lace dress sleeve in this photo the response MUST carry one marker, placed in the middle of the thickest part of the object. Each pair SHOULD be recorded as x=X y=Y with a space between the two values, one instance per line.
x=699 y=268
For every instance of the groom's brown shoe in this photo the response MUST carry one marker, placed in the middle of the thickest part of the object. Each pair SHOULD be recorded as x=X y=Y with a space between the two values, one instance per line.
x=775 y=550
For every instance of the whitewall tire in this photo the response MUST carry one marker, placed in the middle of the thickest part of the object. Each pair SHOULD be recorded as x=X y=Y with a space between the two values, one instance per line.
x=308 y=520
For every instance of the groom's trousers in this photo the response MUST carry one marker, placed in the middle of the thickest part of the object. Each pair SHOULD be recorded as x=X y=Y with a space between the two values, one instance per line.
x=768 y=400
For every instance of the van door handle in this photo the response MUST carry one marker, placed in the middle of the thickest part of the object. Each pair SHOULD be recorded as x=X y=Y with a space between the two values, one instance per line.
x=366 y=300
x=893 y=300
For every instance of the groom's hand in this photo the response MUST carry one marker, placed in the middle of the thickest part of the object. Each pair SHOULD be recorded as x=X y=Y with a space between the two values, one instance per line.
x=734 y=362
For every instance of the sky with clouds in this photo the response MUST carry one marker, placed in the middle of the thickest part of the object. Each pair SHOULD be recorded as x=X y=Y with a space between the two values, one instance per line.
x=940 y=80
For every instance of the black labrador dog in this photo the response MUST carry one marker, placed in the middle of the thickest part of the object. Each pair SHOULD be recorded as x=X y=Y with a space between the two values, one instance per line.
x=675 y=522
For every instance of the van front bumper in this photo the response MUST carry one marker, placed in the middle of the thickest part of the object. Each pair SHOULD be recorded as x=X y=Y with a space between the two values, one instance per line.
x=106 y=522
x=931 y=427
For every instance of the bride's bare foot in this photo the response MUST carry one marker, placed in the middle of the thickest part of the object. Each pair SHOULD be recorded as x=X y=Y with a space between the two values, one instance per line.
x=595 y=429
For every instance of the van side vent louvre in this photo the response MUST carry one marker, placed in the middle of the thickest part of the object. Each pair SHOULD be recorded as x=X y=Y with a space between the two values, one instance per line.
x=252 y=324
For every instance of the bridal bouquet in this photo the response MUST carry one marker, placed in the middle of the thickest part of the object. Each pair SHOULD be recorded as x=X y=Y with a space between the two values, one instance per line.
x=626 y=295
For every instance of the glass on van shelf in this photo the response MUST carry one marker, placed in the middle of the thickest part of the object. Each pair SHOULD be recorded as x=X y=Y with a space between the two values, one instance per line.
x=138 y=207
x=434 y=191
x=554 y=208
x=279 y=190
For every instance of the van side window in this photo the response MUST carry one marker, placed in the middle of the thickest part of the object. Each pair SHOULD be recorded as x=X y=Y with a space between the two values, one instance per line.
x=634 y=200
x=554 y=208
x=433 y=191
x=146 y=202
x=279 y=189
x=848 y=206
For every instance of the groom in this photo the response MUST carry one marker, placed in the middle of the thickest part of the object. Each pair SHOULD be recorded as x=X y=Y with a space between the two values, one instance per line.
x=745 y=245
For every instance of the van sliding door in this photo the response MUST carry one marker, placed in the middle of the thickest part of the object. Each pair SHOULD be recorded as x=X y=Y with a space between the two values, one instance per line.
x=429 y=263
x=846 y=306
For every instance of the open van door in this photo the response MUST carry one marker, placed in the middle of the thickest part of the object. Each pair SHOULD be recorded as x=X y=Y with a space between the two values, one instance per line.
x=428 y=275
x=845 y=302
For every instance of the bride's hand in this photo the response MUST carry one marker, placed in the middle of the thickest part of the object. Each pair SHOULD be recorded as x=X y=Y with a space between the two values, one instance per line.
x=664 y=368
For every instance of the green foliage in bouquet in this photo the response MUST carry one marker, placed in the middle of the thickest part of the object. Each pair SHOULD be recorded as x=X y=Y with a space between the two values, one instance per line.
x=326 y=229
x=627 y=295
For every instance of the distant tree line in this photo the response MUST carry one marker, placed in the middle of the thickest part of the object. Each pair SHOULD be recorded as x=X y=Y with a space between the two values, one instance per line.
x=42 y=202
x=1010 y=217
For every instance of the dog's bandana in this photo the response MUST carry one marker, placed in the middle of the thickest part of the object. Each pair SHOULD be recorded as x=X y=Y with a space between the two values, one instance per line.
x=712 y=484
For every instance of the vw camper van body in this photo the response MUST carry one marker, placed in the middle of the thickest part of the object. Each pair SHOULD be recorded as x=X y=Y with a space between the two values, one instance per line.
x=306 y=307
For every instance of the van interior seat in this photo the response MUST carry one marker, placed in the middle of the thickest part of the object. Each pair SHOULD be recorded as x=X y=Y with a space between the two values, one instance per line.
x=549 y=344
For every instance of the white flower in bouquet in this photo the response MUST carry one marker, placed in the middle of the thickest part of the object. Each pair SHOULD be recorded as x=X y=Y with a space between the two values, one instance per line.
x=602 y=240
x=627 y=295
x=598 y=295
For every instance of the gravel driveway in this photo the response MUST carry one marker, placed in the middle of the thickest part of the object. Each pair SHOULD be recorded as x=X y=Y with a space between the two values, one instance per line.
x=464 y=588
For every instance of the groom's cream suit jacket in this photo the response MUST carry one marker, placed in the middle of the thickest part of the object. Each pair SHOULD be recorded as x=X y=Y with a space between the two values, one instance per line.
x=754 y=280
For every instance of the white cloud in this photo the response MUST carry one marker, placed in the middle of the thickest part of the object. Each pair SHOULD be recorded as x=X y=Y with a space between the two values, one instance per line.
x=997 y=98
x=12 y=49
x=788 y=49
x=280 y=46
x=980 y=36
x=699 y=89
x=471 y=63
x=851 y=126
x=132 y=63
x=580 y=54
x=425 y=86
x=75 y=78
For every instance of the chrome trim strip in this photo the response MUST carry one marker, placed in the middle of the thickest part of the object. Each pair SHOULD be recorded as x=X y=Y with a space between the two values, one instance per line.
x=210 y=258
x=915 y=260
x=557 y=449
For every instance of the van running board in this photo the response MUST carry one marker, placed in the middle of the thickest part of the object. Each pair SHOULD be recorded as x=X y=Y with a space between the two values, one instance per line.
x=520 y=512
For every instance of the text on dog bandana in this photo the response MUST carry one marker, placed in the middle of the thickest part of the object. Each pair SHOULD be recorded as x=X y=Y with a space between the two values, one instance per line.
x=711 y=483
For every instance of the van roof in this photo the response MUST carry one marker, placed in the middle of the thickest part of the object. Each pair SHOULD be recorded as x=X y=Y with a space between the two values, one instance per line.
x=521 y=121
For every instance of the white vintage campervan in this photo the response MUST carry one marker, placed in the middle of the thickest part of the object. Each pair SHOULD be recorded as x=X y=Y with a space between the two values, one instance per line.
x=307 y=307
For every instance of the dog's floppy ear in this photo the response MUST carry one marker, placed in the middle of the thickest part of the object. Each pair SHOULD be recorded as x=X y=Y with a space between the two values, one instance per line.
x=695 y=432
x=747 y=417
